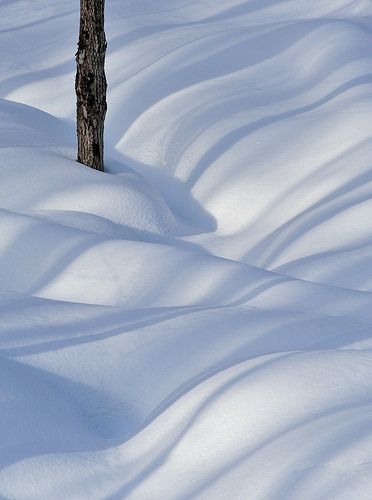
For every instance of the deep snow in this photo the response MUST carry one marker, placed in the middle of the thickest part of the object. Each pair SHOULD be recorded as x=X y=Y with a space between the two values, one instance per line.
x=196 y=322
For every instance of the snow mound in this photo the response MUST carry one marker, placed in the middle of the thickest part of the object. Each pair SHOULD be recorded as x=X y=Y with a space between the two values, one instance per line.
x=39 y=173
x=195 y=322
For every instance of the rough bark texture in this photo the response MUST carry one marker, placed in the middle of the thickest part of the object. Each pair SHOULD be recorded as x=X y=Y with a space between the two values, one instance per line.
x=90 y=84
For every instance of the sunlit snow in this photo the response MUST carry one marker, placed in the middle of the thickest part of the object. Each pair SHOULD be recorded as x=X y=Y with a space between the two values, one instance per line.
x=197 y=321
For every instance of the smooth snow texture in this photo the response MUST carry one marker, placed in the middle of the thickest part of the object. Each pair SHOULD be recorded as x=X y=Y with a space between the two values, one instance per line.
x=195 y=322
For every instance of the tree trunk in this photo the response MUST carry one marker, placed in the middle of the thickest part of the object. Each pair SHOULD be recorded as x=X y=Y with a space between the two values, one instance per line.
x=90 y=83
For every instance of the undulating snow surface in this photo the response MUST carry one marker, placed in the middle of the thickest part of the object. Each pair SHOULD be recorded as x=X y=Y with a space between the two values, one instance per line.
x=196 y=322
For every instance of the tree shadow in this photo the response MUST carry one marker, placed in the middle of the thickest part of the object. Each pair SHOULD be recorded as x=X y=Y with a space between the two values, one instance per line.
x=321 y=455
x=114 y=423
x=8 y=85
x=35 y=24
x=274 y=245
x=223 y=60
x=163 y=456
x=233 y=137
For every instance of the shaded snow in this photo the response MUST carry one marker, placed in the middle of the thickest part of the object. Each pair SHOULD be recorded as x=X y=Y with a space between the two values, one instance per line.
x=196 y=322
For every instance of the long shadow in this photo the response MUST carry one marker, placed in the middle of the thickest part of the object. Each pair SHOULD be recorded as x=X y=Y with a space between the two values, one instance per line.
x=314 y=417
x=322 y=257
x=315 y=216
x=233 y=137
x=250 y=7
x=227 y=14
x=120 y=41
x=284 y=333
x=37 y=258
x=268 y=342
x=162 y=457
x=48 y=261
x=54 y=345
x=244 y=299
x=156 y=86
x=177 y=193
x=357 y=432
x=118 y=434
x=8 y=85
x=115 y=43
x=37 y=23
x=317 y=173
x=118 y=231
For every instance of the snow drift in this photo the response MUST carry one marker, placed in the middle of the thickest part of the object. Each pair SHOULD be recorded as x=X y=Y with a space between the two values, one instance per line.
x=196 y=322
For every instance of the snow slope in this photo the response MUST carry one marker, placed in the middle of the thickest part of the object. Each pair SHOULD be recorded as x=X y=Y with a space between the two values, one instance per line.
x=196 y=322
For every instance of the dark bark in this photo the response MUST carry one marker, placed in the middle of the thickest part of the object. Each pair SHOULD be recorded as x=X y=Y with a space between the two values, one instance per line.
x=90 y=84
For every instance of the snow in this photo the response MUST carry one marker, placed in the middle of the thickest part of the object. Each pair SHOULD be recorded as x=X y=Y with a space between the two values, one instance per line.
x=195 y=322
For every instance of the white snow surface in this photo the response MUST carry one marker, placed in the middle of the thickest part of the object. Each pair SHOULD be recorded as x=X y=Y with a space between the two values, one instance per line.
x=197 y=321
